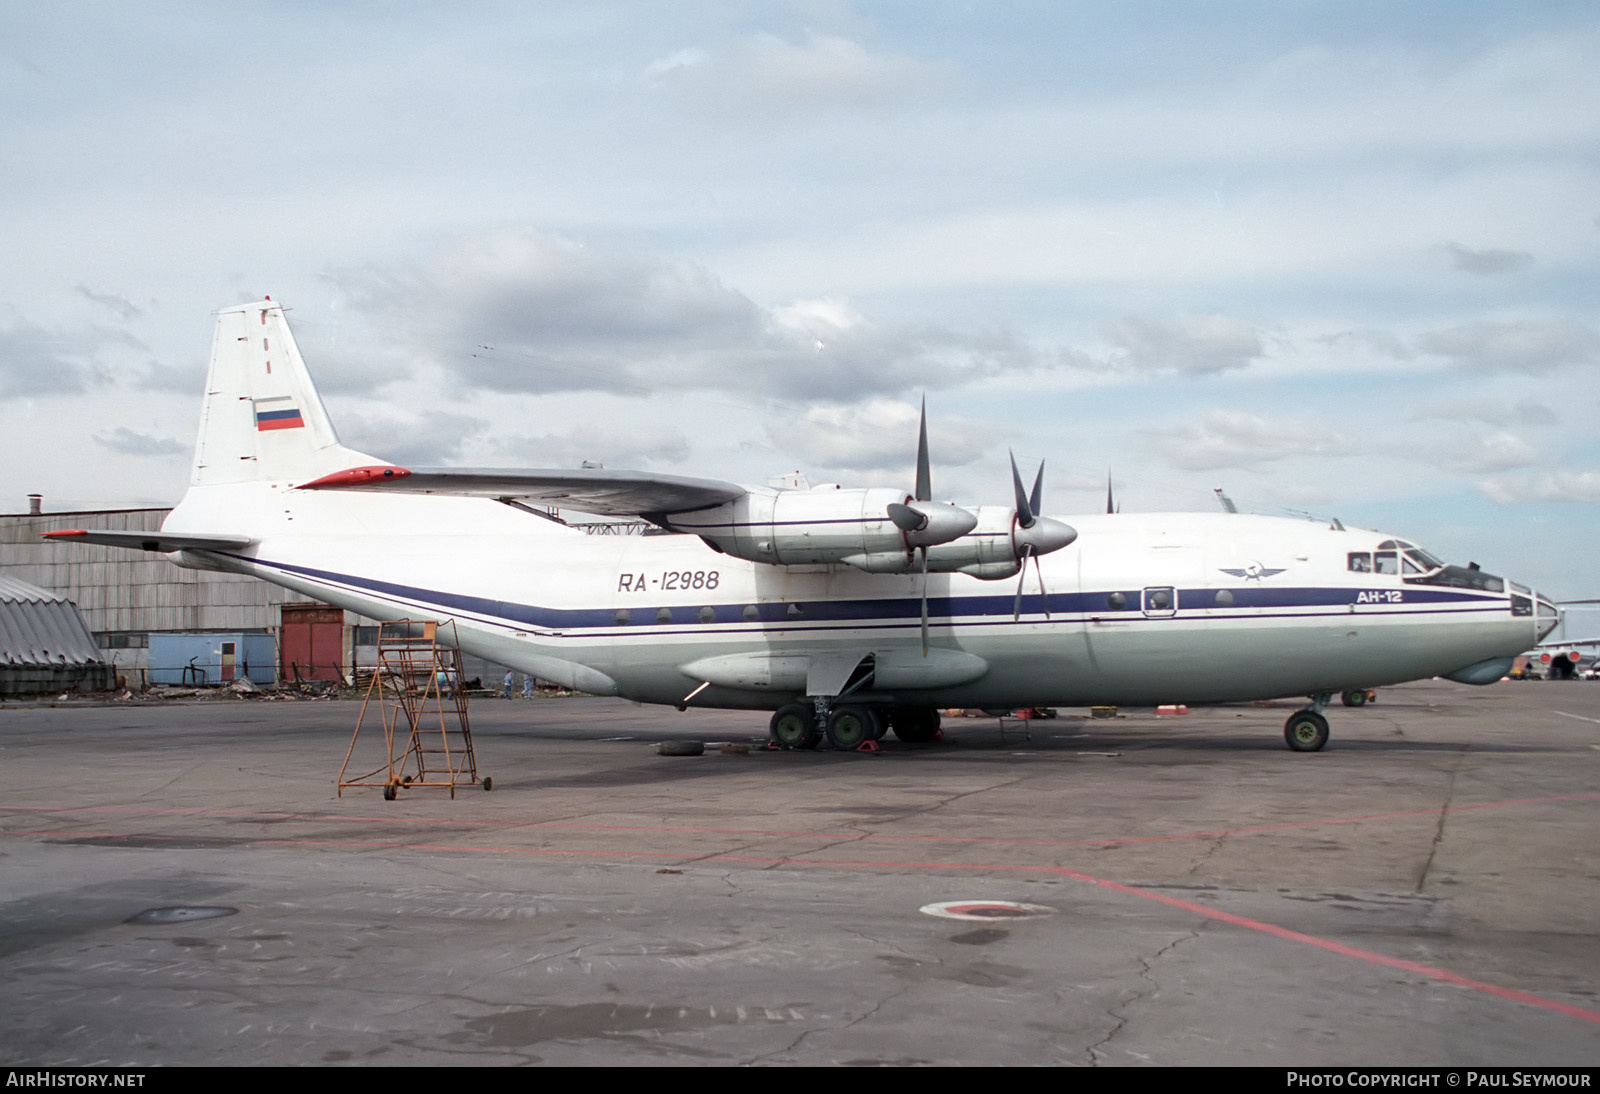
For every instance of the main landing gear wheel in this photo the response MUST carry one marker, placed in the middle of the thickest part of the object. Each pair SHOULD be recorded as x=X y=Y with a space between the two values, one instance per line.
x=1306 y=731
x=915 y=725
x=794 y=725
x=1355 y=697
x=851 y=725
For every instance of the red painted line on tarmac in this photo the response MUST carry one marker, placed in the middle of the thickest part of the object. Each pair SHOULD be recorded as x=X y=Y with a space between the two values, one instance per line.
x=1108 y=841
x=1371 y=957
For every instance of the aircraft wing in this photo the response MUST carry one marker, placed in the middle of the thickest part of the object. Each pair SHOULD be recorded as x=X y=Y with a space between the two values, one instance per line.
x=591 y=490
x=152 y=541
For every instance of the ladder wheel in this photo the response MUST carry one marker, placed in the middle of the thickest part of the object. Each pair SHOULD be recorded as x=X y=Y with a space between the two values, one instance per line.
x=488 y=783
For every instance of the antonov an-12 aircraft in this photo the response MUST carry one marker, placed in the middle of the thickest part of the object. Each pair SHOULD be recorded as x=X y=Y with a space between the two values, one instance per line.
x=848 y=612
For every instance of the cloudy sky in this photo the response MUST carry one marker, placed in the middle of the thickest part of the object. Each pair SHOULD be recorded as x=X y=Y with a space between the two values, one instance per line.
x=1338 y=259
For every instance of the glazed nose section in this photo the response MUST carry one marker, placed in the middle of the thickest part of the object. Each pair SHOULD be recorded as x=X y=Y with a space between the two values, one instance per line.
x=1546 y=616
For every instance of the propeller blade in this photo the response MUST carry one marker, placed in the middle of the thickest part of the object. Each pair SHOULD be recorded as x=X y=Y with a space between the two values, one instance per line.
x=924 y=477
x=1036 y=499
x=924 y=602
x=1044 y=595
x=906 y=518
x=1022 y=576
x=1109 y=508
x=1025 y=512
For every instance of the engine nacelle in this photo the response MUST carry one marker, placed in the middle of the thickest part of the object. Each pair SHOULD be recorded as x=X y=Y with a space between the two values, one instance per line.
x=827 y=524
x=831 y=525
x=985 y=552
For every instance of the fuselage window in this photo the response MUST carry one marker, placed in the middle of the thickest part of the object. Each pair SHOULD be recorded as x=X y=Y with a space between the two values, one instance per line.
x=1360 y=562
x=1388 y=562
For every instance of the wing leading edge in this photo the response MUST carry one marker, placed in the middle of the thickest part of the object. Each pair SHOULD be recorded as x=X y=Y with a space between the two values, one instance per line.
x=591 y=490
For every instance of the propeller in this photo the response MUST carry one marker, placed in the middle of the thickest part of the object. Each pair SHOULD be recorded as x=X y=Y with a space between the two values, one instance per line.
x=925 y=522
x=1034 y=535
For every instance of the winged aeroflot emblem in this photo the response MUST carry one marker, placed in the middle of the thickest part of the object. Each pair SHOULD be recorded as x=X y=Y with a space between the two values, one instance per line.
x=1253 y=572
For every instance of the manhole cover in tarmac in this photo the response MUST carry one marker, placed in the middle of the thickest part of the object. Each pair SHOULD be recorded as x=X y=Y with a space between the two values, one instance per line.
x=984 y=909
x=181 y=915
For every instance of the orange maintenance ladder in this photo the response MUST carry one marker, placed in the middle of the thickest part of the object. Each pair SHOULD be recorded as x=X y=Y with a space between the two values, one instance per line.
x=419 y=679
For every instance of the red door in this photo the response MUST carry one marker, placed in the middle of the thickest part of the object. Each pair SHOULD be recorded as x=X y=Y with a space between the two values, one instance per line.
x=311 y=643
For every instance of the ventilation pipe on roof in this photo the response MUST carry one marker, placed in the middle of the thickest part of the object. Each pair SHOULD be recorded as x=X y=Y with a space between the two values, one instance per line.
x=35 y=504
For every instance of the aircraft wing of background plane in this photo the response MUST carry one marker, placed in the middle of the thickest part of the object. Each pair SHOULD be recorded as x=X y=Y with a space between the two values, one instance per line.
x=590 y=490
x=152 y=541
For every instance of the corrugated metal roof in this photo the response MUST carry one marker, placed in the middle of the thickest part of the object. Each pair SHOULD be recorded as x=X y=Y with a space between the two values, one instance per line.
x=39 y=627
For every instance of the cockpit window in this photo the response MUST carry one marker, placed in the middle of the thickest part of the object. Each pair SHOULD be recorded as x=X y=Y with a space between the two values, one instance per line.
x=1388 y=562
x=1361 y=562
x=1423 y=559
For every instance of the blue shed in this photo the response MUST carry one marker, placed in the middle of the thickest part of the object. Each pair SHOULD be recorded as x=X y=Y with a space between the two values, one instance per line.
x=212 y=659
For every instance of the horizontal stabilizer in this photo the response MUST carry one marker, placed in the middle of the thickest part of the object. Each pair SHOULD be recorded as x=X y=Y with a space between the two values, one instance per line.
x=590 y=490
x=152 y=541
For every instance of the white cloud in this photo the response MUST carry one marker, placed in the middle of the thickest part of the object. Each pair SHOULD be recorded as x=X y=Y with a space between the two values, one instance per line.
x=1526 y=345
x=1228 y=438
x=1191 y=345
x=878 y=437
x=766 y=74
x=1488 y=261
x=409 y=437
x=131 y=443
x=1496 y=411
x=639 y=445
x=1574 y=486
x=672 y=62
x=35 y=360
x=1499 y=451
x=520 y=311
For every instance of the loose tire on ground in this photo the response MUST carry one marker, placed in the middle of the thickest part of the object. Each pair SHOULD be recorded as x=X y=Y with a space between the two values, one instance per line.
x=681 y=748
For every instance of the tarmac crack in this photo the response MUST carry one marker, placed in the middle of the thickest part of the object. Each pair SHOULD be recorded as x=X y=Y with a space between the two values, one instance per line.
x=1146 y=971
x=1438 y=831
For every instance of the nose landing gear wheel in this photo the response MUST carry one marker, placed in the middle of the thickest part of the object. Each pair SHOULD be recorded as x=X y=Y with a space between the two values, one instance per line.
x=1305 y=731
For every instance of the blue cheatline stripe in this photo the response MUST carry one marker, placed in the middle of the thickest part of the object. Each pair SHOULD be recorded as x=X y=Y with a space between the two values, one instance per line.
x=900 y=612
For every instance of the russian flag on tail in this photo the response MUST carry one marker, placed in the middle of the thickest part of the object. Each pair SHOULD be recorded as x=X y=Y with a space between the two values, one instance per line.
x=277 y=413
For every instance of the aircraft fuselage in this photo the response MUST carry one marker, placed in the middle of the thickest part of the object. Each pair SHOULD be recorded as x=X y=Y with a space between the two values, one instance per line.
x=1145 y=608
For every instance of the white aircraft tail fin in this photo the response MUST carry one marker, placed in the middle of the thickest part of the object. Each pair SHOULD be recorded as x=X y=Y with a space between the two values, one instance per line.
x=262 y=419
